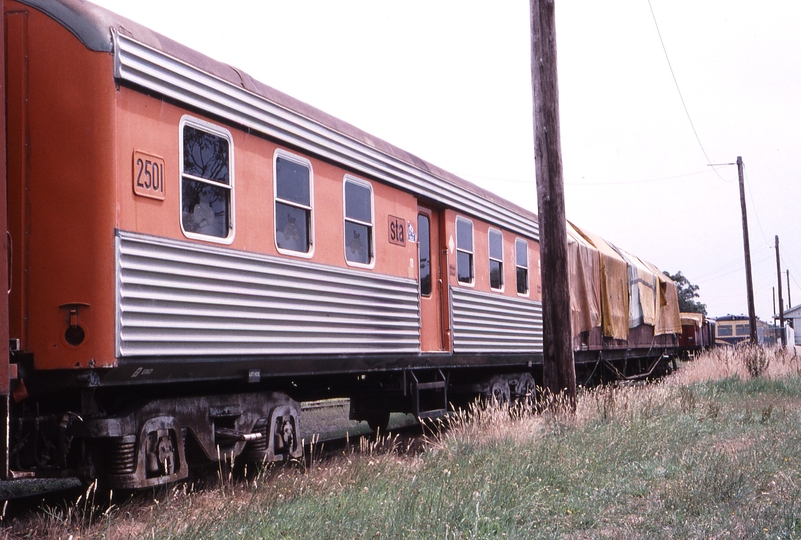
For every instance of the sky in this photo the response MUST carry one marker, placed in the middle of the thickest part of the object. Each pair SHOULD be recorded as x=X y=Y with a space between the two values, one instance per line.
x=449 y=81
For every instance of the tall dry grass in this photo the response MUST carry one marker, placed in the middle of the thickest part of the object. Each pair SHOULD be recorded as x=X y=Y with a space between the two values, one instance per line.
x=711 y=451
x=743 y=361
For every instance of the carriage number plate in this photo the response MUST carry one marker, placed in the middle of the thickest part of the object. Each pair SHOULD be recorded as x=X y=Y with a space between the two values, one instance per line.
x=148 y=175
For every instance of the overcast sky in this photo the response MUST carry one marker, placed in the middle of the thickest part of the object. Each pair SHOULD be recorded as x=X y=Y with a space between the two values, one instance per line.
x=449 y=80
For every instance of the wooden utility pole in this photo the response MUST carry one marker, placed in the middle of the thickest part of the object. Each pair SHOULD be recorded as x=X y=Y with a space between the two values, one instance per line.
x=789 y=302
x=781 y=302
x=559 y=370
x=747 y=248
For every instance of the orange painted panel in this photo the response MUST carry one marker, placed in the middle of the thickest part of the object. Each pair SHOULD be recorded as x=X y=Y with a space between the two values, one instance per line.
x=76 y=182
x=431 y=305
x=481 y=258
x=63 y=197
x=149 y=125
x=16 y=24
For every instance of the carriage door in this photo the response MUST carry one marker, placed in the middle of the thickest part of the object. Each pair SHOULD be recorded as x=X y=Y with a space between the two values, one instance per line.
x=430 y=274
x=17 y=165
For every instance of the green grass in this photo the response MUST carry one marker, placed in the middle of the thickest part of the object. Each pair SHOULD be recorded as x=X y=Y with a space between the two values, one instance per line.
x=709 y=459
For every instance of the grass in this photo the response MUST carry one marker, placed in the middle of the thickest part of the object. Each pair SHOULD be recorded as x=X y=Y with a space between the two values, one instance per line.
x=710 y=452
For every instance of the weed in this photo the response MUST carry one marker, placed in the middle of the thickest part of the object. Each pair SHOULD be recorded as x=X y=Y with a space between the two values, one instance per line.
x=766 y=413
x=687 y=399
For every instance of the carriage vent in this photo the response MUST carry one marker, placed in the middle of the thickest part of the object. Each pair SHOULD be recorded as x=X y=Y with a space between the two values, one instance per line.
x=184 y=299
x=484 y=322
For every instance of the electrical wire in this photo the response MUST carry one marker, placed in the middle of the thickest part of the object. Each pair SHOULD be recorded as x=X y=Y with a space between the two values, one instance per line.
x=683 y=104
x=643 y=181
x=715 y=276
x=626 y=182
x=759 y=223
x=792 y=276
x=712 y=273
x=794 y=270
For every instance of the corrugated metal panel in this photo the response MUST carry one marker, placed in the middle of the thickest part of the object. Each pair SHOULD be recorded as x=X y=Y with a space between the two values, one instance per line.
x=178 y=298
x=152 y=69
x=485 y=322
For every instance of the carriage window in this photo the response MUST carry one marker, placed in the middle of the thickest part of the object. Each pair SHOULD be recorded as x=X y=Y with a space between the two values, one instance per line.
x=424 y=248
x=293 y=203
x=724 y=330
x=743 y=330
x=521 y=265
x=358 y=222
x=496 y=259
x=464 y=250
x=206 y=184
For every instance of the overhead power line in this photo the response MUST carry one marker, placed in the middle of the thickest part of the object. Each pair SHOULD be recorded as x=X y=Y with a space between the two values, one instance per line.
x=640 y=181
x=683 y=104
x=643 y=181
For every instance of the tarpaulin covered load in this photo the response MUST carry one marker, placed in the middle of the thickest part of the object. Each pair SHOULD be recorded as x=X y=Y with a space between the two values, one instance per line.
x=688 y=318
x=642 y=291
x=614 y=287
x=668 y=320
x=613 y=291
x=584 y=266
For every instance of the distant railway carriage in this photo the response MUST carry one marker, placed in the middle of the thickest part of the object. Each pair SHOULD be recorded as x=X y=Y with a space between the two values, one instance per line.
x=734 y=329
x=697 y=333
x=193 y=253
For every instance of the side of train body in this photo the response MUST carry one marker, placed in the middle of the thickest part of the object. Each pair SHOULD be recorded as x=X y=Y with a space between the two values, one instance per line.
x=193 y=253
x=697 y=334
x=736 y=330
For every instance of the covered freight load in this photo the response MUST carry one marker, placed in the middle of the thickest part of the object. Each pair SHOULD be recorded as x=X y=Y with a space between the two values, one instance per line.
x=625 y=311
x=584 y=264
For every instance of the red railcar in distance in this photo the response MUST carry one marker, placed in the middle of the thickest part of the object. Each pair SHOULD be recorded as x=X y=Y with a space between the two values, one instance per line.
x=695 y=334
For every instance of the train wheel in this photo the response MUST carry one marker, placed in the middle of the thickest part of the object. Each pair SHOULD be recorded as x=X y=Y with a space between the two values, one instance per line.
x=499 y=392
x=378 y=421
x=526 y=390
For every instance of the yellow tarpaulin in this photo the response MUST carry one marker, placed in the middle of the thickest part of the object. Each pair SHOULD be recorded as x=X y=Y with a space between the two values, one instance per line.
x=584 y=266
x=692 y=318
x=668 y=320
x=614 y=287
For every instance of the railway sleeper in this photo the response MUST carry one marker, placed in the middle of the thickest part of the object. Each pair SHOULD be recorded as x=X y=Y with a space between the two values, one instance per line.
x=156 y=443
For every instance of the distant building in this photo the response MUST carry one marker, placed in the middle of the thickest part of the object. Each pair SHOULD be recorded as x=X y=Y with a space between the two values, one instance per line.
x=793 y=315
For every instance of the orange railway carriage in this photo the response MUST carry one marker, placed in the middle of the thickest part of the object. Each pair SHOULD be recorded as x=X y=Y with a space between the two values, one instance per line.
x=193 y=252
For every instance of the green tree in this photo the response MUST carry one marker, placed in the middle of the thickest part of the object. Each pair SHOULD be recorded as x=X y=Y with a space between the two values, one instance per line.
x=687 y=294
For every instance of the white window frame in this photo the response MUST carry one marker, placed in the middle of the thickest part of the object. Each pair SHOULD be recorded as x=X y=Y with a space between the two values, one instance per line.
x=472 y=252
x=221 y=132
x=491 y=258
x=371 y=225
x=300 y=160
x=527 y=267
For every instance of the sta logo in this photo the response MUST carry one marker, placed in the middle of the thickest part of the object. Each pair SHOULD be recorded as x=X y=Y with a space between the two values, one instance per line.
x=397 y=231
